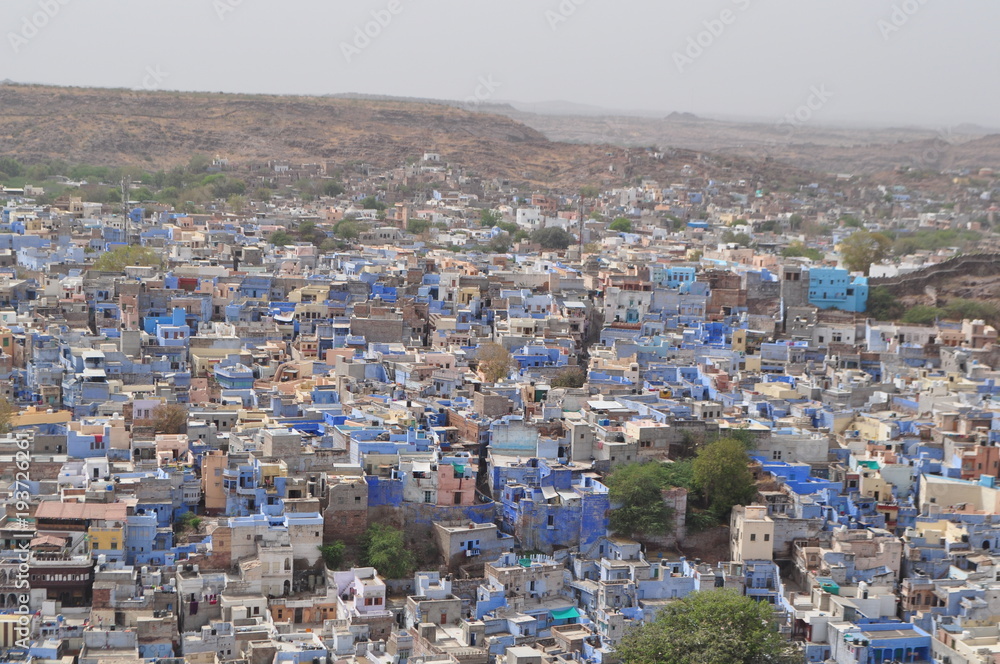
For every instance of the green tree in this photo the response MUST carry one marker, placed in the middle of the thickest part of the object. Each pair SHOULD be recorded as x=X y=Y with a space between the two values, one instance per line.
x=722 y=475
x=372 y=203
x=417 y=226
x=347 y=229
x=636 y=490
x=499 y=245
x=553 y=238
x=495 y=362
x=708 y=627
x=679 y=473
x=280 y=238
x=120 y=258
x=333 y=554
x=333 y=189
x=188 y=521
x=742 y=239
x=795 y=222
x=589 y=191
x=237 y=204
x=883 y=305
x=850 y=221
x=384 y=548
x=7 y=413
x=11 y=167
x=862 y=248
x=490 y=218
x=620 y=225
x=198 y=163
x=962 y=308
x=797 y=249
x=922 y=314
x=570 y=377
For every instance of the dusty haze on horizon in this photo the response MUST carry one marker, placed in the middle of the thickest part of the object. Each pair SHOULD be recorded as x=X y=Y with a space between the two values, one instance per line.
x=872 y=62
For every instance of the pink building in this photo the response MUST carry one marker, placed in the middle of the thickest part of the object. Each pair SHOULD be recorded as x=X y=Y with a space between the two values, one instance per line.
x=456 y=482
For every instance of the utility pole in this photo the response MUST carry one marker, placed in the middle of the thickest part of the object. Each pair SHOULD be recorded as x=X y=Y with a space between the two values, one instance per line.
x=126 y=190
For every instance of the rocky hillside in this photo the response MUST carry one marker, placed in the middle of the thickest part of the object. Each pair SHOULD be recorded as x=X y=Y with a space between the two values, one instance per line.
x=163 y=129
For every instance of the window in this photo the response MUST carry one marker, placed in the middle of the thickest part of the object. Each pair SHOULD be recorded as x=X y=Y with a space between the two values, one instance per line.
x=767 y=537
x=753 y=537
x=776 y=455
x=428 y=497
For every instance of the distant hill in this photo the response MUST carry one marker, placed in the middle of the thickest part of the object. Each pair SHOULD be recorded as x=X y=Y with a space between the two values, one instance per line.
x=813 y=146
x=162 y=129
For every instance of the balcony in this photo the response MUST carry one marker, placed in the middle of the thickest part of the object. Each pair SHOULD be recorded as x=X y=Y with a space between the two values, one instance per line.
x=471 y=553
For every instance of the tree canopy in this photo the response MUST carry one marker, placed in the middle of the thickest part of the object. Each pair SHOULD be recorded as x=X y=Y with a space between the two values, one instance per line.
x=495 y=362
x=384 y=548
x=7 y=413
x=120 y=258
x=636 y=489
x=490 y=218
x=861 y=249
x=708 y=627
x=553 y=237
x=797 y=249
x=621 y=225
x=722 y=475
x=570 y=377
x=170 y=418
x=333 y=554
x=883 y=305
x=280 y=238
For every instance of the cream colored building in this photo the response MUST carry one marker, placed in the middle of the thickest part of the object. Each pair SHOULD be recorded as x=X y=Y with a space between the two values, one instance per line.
x=751 y=534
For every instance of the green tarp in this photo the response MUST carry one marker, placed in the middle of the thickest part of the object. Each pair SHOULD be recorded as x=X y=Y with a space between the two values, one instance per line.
x=566 y=614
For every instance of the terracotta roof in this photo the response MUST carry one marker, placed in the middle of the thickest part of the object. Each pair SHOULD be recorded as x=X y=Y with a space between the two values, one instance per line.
x=48 y=540
x=51 y=509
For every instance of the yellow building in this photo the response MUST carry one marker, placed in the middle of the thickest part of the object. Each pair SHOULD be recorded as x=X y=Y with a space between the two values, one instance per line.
x=106 y=539
x=213 y=464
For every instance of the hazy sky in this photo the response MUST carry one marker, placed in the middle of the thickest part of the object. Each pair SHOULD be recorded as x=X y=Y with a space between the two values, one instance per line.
x=862 y=61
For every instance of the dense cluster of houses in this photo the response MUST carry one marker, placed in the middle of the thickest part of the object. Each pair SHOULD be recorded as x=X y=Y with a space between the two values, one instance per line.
x=291 y=396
